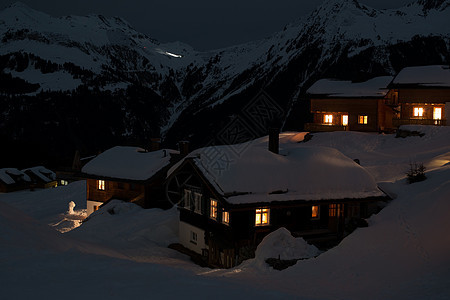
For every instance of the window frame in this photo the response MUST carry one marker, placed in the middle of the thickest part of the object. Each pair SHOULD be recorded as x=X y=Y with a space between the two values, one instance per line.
x=187 y=197
x=344 y=120
x=418 y=111
x=435 y=110
x=317 y=215
x=198 y=203
x=363 y=119
x=225 y=217
x=213 y=211
x=101 y=185
x=193 y=237
x=328 y=119
x=261 y=212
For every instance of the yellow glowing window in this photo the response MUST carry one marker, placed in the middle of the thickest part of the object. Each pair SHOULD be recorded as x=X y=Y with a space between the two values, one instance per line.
x=225 y=217
x=328 y=119
x=362 y=119
x=315 y=212
x=332 y=210
x=344 y=120
x=213 y=209
x=437 y=113
x=418 y=111
x=101 y=185
x=262 y=216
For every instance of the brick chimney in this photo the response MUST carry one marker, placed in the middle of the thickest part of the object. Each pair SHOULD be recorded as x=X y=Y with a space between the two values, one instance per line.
x=183 y=146
x=274 y=140
x=155 y=144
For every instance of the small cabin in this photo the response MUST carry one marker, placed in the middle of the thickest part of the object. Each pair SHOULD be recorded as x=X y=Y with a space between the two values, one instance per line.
x=41 y=177
x=130 y=174
x=422 y=95
x=229 y=203
x=12 y=179
x=339 y=105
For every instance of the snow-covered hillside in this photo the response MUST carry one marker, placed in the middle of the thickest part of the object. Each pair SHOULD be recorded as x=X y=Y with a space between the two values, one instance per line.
x=122 y=250
x=64 y=53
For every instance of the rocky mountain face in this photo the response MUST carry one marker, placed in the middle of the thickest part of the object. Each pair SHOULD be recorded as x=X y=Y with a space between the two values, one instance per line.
x=91 y=82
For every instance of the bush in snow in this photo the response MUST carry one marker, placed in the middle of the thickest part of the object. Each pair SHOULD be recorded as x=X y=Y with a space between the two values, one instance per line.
x=415 y=173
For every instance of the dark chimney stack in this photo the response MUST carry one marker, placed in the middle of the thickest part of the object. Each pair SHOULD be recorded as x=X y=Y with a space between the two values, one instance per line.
x=274 y=140
x=155 y=144
x=184 y=148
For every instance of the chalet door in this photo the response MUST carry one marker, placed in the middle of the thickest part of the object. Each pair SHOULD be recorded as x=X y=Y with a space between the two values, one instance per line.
x=335 y=217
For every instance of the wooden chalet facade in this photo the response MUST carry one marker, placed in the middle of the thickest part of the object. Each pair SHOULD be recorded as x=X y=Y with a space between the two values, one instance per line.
x=343 y=105
x=421 y=95
x=130 y=174
x=225 y=227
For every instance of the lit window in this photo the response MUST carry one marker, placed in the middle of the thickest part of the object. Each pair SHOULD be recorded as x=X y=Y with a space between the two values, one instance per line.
x=64 y=182
x=437 y=113
x=362 y=119
x=332 y=210
x=262 y=216
x=315 y=212
x=344 y=120
x=101 y=185
x=335 y=210
x=187 y=199
x=328 y=119
x=225 y=217
x=198 y=203
x=418 y=111
x=213 y=209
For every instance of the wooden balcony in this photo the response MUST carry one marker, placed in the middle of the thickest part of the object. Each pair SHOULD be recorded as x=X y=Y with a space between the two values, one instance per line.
x=314 y=127
x=399 y=122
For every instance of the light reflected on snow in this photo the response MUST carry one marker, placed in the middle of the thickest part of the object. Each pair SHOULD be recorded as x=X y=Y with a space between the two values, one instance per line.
x=168 y=53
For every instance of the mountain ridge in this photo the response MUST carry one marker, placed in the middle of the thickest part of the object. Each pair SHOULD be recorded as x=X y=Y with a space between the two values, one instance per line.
x=197 y=93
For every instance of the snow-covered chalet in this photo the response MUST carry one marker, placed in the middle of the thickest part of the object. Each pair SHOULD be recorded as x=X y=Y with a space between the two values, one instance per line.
x=130 y=174
x=232 y=196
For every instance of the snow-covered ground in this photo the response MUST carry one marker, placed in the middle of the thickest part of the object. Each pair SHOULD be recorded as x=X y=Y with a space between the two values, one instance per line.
x=121 y=251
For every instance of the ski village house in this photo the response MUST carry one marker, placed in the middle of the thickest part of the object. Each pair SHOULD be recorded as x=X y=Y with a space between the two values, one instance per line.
x=422 y=95
x=130 y=174
x=417 y=95
x=345 y=105
x=12 y=179
x=232 y=196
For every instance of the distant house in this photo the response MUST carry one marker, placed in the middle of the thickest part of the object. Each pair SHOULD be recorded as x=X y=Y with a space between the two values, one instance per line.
x=41 y=177
x=345 y=105
x=12 y=179
x=228 y=202
x=422 y=95
x=127 y=173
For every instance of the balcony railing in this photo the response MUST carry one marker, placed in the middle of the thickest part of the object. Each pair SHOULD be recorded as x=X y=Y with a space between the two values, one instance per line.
x=399 y=122
x=314 y=127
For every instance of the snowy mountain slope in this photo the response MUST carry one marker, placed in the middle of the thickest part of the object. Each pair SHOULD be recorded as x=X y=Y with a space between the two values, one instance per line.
x=340 y=39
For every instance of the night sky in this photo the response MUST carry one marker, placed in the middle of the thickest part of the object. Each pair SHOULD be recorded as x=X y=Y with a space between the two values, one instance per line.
x=203 y=24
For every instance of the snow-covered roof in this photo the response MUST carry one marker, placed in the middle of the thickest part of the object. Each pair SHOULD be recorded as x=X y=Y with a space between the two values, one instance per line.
x=375 y=87
x=249 y=173
x=42 y=173
x=132 y=163
x=426 y=76
x=5 y=175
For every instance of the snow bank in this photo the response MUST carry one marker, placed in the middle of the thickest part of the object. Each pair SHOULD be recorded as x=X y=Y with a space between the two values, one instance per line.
x=281 y=244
